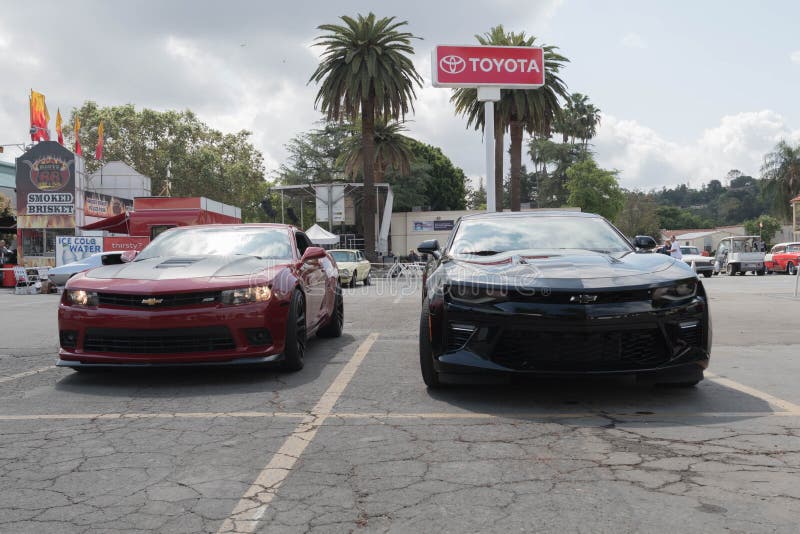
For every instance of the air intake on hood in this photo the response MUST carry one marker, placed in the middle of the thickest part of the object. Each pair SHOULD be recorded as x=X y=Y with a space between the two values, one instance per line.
x=176 y=262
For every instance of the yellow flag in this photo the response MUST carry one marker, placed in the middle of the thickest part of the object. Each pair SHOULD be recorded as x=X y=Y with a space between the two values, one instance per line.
x=58 y=127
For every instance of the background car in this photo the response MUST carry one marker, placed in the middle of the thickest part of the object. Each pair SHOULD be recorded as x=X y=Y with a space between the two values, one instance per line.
x=783 y=258
x=702 y=264
x=353 y=266
x=558 y=293
x=204 y=295
x=738 y=255
x=60 y=275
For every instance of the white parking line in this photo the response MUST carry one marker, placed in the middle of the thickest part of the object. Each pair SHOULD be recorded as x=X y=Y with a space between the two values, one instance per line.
x=254 y=503
x=26 y=373
x=766 y=397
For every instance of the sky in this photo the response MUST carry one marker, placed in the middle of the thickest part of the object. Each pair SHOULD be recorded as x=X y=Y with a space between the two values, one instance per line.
x=688 y=90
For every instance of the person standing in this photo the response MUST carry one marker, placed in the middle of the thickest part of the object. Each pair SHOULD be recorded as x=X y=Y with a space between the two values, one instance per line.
x=5 y=253
x=675 y=249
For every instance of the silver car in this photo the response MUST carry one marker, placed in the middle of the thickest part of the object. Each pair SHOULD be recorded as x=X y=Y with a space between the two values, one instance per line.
x=60 y=275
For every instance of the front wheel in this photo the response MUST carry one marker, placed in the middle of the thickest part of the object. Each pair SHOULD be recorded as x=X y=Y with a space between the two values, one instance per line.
x=429 y=374
x=295 y=349
x=707 y=274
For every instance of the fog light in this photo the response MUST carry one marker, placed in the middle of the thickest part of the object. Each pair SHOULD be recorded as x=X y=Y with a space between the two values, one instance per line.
x=68 y=338
x=258 y=336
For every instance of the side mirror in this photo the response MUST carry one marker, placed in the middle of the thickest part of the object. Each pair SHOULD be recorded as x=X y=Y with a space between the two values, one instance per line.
x=430 y=247
x=644 y=242
x=313 y=253
x=128 y=256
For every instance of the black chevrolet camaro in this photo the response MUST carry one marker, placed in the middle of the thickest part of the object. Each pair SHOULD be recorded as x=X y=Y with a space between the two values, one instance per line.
x=559 y=293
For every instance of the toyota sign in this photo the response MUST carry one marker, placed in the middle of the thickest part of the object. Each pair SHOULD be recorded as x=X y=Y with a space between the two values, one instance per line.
x=517 y=67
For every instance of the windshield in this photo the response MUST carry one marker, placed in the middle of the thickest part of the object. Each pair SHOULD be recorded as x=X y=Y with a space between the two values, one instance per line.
x=272 y=243
x=343 y=256
x=689 y=250
x=488 y=236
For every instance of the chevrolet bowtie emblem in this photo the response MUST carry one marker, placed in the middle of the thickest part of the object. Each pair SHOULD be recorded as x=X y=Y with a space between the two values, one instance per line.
x=152 y=301
x=583 y=298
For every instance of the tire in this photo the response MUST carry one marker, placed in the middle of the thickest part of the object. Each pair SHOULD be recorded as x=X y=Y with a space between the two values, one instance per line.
x=760 y=272
x=335 y=325
x=295 y=349
x=790 y=268
x=429 y=374
x=368 y=279
x=707 y=274
x=732 y=269
x=353 y=279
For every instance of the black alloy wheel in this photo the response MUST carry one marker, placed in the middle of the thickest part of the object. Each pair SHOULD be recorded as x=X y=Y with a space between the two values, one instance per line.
x=295 y=350
x=335 y=325
x=429 y=374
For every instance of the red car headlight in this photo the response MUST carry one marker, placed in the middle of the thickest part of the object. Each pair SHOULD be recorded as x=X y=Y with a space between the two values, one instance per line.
x=79 y=297
x=246 y=295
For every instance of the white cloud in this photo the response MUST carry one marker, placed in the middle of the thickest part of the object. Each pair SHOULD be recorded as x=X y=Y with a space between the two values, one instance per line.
x=795 y=57
x=633 y=40
x=647 y=160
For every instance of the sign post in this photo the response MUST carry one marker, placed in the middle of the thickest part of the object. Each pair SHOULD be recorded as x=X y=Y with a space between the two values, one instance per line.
x=488 y=69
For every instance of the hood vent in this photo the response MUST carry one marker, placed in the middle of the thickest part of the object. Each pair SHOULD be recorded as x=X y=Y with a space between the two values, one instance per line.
x=177 y=262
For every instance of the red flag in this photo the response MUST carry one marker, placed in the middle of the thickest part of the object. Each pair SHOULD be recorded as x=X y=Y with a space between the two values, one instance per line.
x=98 y=154
x=78 y=149
x=58 y=127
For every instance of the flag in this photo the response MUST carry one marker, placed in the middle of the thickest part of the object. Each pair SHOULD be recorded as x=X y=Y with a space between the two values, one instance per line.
x=58 y=127
x=78 y=149
x=40 y=117
x=98 y=154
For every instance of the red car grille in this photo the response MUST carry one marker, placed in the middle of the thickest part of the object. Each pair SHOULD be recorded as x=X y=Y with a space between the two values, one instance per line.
x=158 y=301
x=567 y=351
x=162 y=341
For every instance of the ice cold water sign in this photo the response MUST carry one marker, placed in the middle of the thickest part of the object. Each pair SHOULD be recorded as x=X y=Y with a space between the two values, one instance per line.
x=501 y=66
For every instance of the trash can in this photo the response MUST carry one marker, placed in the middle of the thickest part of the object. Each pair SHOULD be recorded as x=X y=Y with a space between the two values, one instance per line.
x=8 y=275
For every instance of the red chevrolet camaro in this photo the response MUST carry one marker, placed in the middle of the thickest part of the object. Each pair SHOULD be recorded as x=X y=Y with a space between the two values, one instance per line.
x=210 y=295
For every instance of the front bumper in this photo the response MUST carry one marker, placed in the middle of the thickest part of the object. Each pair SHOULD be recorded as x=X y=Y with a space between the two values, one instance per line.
x=536 y=338
x=194 y=334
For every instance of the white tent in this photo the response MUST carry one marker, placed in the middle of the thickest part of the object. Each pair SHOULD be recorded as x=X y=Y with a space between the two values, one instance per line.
x=320 y=236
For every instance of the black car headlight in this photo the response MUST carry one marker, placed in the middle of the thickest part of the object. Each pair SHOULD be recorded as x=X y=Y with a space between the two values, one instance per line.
x=477 y=294
x=79 y=297
x=676 y=293
x=246 y=295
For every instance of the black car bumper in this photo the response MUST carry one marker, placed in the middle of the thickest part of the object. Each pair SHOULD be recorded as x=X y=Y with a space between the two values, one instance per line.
x=554 y=339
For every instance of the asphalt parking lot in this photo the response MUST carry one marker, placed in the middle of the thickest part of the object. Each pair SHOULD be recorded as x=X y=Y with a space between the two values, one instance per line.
x=355 y=442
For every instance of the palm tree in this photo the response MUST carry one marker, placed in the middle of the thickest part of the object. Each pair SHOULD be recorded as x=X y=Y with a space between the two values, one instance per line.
x=781 y=171
x=533 y=110
x=366 y=70
x=392 y=150
x=579 y=119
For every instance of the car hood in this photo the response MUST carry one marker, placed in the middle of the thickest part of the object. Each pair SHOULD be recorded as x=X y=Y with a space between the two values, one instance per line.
x=185 y=267
x=349 y=265
x=567 y=270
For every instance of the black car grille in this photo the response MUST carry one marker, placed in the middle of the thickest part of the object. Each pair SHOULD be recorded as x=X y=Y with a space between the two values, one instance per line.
x=170 y=300
x=580 y=298
x=163 y=341
x=566 y=351
x=458 y=335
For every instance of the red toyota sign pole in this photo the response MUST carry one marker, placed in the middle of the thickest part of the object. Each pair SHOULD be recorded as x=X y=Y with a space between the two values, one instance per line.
x=489 y=69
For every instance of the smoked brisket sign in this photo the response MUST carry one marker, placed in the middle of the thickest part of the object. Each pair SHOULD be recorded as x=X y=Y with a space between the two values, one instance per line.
x=513 y=67
x=46 y=187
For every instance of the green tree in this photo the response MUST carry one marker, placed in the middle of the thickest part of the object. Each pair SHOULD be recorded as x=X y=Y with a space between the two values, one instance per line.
x=639 y=215
x=315 y=156
x=764 y=226
x=551 y=161
x=781 y=171
x=447 y=187
x=578 y=120
x=366 y=70
x=202 y=161
x=392 y=150
x=673 y=218
x=476 y=198
x=531 y=110
x=594 y=190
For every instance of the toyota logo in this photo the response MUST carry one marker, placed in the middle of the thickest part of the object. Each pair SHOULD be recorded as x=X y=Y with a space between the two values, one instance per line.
x=452 y=64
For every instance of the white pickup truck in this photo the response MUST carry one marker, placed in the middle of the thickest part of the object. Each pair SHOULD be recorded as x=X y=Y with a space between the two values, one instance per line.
x=738 y=254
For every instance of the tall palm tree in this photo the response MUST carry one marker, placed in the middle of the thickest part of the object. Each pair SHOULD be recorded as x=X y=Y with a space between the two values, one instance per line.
x=781 y=171
x=366 y=70
x=392 y=150
x=519 y=109
x=579 y=119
